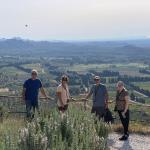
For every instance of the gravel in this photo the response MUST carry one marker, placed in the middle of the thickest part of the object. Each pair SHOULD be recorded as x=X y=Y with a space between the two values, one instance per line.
x=135 y=142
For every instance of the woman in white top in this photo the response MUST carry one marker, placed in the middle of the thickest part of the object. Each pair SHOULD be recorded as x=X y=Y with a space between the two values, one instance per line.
x=63 y=94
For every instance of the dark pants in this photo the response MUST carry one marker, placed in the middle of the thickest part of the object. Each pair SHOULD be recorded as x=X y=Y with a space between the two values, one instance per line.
x=124 y=121
x=31 y=105
x=99 y=111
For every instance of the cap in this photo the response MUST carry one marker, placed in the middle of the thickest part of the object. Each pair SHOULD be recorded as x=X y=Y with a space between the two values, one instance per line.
x=97 y=78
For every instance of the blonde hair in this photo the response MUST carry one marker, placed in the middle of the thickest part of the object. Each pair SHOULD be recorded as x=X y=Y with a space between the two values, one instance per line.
x=120 y=83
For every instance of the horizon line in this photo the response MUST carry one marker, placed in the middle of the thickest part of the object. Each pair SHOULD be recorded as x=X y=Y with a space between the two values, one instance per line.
x=76 y=40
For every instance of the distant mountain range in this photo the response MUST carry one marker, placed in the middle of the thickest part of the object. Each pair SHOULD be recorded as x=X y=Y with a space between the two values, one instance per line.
x=18 y=46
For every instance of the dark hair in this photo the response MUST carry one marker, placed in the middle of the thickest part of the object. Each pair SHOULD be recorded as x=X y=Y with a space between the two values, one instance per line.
x=64 y=78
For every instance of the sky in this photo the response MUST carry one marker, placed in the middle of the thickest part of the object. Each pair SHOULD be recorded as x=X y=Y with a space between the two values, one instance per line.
x=75 y=19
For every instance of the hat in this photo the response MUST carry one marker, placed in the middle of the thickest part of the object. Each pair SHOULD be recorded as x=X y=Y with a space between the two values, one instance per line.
x=97 y=78
x=34 y=71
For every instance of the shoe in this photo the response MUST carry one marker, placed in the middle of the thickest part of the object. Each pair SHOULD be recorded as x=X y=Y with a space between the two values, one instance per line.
x=124 y=138
x=127 y=134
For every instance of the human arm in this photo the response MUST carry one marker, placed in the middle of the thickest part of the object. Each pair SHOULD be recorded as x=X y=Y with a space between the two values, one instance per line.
x=69 y=97
x=43 y=92
x=58 y=93
x=106 y=98
x=90 y=93
x=126 y=104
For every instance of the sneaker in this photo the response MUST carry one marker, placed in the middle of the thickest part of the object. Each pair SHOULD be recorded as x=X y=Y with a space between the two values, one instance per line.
x=123 y=138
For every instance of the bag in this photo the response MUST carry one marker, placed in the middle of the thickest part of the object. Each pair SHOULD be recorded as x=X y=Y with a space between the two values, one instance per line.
x=108 y=117
x=115 y=109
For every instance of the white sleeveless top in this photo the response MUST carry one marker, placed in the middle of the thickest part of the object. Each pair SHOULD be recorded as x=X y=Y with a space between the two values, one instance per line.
x=65 y=95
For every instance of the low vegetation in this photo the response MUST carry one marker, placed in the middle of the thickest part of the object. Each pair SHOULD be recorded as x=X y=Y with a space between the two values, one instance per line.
x=78 y=130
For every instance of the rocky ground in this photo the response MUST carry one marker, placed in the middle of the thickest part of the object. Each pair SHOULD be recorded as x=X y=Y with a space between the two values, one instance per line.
x=135 y=142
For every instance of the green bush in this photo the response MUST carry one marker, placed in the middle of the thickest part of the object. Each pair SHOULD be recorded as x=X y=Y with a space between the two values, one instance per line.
x=77 y=131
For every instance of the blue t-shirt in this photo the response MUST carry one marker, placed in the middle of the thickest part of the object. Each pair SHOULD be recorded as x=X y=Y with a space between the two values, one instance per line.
x=99 y=95
x=32 y=89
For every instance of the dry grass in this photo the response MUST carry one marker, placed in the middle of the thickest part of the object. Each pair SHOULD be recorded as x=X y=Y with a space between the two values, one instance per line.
x=133 y=128
x=10 y=126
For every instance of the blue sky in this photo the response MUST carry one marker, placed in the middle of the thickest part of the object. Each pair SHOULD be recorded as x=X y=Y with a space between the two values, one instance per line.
x=75 y=19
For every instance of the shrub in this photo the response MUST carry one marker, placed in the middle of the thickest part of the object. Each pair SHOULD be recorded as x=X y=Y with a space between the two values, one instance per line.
x=77 y=131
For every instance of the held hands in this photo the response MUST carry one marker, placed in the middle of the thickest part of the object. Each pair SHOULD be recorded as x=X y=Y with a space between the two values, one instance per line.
x=48 y=98
x=82 y=99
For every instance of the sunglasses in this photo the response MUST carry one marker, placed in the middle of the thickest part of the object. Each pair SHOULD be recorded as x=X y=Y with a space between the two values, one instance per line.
x=34 y=74
x=96 y=79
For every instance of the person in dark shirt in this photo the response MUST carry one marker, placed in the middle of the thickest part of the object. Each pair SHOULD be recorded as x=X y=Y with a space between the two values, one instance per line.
x=100 y=98
x=122 y=106
x=30 y=93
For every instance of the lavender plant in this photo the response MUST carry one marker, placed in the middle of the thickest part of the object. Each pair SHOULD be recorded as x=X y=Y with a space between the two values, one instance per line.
x=79 y=130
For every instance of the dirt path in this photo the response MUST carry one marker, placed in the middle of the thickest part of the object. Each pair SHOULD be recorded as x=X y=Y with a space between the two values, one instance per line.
x=135 y=142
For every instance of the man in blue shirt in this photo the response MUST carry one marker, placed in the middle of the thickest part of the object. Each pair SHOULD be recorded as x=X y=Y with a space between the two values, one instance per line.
x=30 y=93
x=100 y=98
